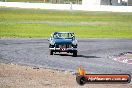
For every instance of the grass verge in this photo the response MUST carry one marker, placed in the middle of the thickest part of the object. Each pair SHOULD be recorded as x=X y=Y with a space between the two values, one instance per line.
x=32 y=23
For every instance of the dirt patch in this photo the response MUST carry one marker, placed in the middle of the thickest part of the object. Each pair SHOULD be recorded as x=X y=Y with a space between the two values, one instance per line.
x=15 y=76
x=125 y=57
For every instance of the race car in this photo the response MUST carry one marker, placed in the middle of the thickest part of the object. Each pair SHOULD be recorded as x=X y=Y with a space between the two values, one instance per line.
x=63 y=42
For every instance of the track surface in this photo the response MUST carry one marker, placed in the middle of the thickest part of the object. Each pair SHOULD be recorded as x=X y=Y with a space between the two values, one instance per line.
x=94 y=55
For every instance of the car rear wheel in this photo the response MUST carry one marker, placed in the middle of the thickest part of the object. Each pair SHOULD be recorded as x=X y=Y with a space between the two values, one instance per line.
x=75 y=54
x=51 y=52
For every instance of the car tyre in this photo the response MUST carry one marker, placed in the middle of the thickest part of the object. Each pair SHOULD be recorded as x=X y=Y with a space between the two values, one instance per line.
x=75 y=54
x=51 y=52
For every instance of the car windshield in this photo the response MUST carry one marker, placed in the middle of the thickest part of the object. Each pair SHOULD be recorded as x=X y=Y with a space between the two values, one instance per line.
x=63 y=35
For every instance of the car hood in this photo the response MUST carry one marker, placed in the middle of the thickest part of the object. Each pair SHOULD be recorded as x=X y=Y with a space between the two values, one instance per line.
x=63 y=41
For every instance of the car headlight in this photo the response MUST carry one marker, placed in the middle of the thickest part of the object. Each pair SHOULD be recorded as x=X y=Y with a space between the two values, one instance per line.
x=74 y=42
x=52 y=42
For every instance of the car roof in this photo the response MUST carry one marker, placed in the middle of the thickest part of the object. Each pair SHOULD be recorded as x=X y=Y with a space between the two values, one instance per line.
x=61 y=32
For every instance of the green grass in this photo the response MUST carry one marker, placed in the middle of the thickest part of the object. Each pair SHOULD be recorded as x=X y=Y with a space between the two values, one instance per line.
x=15 y=22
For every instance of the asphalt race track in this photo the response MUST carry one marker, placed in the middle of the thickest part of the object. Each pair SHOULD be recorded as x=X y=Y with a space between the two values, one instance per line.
x=95 y=55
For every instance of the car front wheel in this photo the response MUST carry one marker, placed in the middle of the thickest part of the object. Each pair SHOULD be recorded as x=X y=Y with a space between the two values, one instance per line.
x=75 y=54
x=51 y=52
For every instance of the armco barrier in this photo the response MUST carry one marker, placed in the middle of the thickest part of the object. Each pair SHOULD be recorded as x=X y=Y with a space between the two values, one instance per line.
x=68 y=6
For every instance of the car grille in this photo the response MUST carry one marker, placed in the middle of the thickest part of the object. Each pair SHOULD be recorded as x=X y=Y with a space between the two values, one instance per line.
x=63 y=46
